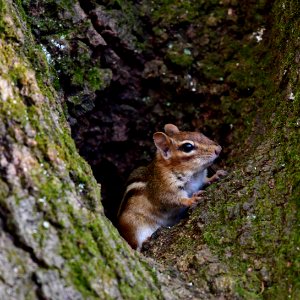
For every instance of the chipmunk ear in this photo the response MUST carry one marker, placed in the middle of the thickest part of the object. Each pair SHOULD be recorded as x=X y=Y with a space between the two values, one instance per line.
x=171 y=129
x=162 y=143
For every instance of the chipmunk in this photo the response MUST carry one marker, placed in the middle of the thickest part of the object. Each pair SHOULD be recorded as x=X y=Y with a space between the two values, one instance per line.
x=158 y=195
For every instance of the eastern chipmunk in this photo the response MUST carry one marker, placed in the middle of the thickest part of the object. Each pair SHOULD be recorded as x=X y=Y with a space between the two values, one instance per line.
x=158 y=194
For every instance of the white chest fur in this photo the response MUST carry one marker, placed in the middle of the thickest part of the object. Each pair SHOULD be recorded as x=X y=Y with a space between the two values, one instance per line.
x=195 y=183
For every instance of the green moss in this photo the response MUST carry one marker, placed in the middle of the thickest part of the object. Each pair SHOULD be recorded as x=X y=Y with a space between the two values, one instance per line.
x=50 y=22
x=7 y=25
x=66 y=193
x=268 y=232
x=96 y=78
x=172 y=12
x=252 y=225
x=81 y=250
x=180 y=57
x=4 y=189
x=257 y=226
x=210 y=68
x=91 y=260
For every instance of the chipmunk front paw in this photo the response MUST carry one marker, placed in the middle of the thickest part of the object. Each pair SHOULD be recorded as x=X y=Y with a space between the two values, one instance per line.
x=216 y=177
x=221 y=173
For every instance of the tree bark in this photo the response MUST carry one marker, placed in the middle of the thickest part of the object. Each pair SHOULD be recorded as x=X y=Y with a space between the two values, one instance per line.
x=242 y=239
x=55 y=240
x=241 y=242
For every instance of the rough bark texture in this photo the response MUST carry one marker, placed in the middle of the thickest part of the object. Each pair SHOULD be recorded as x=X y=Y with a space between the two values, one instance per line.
x=55 y=241
x=243 y=239
x=110 y=61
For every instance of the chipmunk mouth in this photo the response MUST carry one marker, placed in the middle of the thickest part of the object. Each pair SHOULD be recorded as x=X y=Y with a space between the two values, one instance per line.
x=205 y=164
x=209 y=161
x=211 y=158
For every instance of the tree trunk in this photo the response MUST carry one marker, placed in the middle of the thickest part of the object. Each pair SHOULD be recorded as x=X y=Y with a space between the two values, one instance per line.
x=55 y=240
x=56 y=243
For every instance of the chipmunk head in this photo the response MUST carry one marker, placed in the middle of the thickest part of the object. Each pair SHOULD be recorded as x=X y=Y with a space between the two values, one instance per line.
x=185 y=150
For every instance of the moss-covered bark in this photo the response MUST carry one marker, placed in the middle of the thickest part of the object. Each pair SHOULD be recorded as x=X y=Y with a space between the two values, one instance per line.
x=242 y=241
x=55 y=241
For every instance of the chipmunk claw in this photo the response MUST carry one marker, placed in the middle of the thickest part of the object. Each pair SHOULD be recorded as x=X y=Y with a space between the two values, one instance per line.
x=217 y=176
x=221 y=173
x=199 y=194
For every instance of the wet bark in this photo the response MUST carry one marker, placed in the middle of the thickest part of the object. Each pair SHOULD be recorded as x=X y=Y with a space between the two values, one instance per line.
x=99 y=65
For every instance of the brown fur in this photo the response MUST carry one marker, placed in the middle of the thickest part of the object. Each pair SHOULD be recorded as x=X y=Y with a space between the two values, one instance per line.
x=158 y=193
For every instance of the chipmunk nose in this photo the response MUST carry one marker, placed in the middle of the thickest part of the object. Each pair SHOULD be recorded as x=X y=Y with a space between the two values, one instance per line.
x=218 y=150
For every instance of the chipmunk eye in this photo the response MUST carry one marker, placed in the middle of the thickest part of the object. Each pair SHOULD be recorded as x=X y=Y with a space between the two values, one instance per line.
x=187 y=147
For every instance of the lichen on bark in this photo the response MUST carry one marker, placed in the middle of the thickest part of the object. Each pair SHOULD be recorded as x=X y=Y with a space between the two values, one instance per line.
x=56 y=241
x=242 y=239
